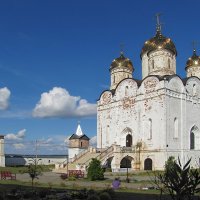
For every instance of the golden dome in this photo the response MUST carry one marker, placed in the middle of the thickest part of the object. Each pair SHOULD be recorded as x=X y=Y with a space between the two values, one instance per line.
x=193 y=61
x=158 y=42
x=122 y=62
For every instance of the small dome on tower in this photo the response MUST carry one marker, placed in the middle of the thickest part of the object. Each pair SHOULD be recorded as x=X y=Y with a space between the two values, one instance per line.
x=158 y=42
x=193 y=61
x=122 y=62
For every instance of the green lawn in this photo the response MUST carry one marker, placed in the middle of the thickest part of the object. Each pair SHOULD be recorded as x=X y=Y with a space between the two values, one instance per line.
x=18 y=170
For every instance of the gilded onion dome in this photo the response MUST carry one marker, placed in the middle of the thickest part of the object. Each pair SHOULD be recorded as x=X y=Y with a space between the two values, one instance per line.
x=122 y=62
x=158 y=42
x=193 y=61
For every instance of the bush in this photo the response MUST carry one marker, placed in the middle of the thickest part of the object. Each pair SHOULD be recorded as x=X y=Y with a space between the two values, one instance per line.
x=93 y=197
x=180 y=182
x=63 y=176
x=105 y=196
x=95 y=172
x=111 y=192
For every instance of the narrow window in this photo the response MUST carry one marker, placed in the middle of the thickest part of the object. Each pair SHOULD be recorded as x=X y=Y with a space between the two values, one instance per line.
x=81 y=144
x=150 y=129
x=192 y=140
x=128 y=140
x=126 y=90
x=168 y=63
x=152 y=64
x=194 y=90
x=175 y=127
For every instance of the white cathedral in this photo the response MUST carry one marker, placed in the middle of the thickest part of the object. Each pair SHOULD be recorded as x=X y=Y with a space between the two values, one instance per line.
x=141 y=123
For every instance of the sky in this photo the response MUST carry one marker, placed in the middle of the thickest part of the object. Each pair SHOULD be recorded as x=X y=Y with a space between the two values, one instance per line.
x=55 y=58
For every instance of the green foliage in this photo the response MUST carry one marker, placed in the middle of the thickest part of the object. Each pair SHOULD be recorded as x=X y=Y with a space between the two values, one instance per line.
x=105 y=196
x=179 y=182
x=93 y=197
x=170 y=163
x=95 y=172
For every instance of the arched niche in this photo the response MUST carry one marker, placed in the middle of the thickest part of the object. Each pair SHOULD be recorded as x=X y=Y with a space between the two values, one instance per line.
x=175 y=84
x=126 y=88
x=193 y=86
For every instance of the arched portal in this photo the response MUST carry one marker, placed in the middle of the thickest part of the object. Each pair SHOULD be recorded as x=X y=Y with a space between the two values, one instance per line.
x=125 y=162
x=148 y=164
x=108 y=162
x=129 y=140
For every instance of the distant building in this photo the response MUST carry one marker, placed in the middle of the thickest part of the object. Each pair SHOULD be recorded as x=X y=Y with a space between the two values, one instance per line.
x=22 y=160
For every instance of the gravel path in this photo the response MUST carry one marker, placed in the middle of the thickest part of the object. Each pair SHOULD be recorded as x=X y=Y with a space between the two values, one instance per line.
x=54 y=178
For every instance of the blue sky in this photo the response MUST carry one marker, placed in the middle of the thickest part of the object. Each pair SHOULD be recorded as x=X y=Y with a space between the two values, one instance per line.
x=62 y=50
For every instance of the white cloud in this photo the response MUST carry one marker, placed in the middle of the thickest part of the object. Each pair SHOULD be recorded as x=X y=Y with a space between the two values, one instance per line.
x=18 y=136
x=59 y=103
x=19 y=146
x=93 y=141
x=4 y=98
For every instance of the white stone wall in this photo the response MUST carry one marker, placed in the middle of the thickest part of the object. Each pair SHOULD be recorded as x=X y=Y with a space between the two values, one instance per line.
x=158 y=113
x=72 y=152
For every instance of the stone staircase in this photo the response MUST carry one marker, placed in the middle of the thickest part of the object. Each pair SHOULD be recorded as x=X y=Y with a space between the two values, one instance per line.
x=83 y=160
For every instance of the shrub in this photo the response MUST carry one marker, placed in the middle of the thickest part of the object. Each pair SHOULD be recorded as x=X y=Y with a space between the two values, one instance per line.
x=111 y=192
x=93 y=197
x=63 y=176
x=105 y=196
x=179 y=182
x=95 y=172
x=72 y=178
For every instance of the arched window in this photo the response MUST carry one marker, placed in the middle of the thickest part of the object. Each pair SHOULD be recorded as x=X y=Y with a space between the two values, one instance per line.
x=148 y=164
x=195 y=138
x=150 y=129
x=175 y=127
x=125 y=162
x=128 y=140
x=192 y=140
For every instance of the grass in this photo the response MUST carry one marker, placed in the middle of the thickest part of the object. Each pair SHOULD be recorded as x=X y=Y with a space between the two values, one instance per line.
x=22 y=169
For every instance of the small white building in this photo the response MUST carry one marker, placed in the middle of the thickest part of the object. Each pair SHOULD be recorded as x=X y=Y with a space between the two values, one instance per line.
x=146 y=121
x=78 y=143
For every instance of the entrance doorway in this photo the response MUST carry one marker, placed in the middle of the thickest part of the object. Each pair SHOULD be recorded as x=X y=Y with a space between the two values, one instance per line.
x=148 y=164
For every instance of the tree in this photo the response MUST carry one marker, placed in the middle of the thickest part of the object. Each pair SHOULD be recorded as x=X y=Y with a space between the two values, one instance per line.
x=170 y=163
x=95 y=171
x=179 y=182
x=34 y=170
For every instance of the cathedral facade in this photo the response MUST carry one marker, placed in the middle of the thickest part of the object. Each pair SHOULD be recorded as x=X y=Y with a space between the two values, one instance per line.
x=141 y=123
